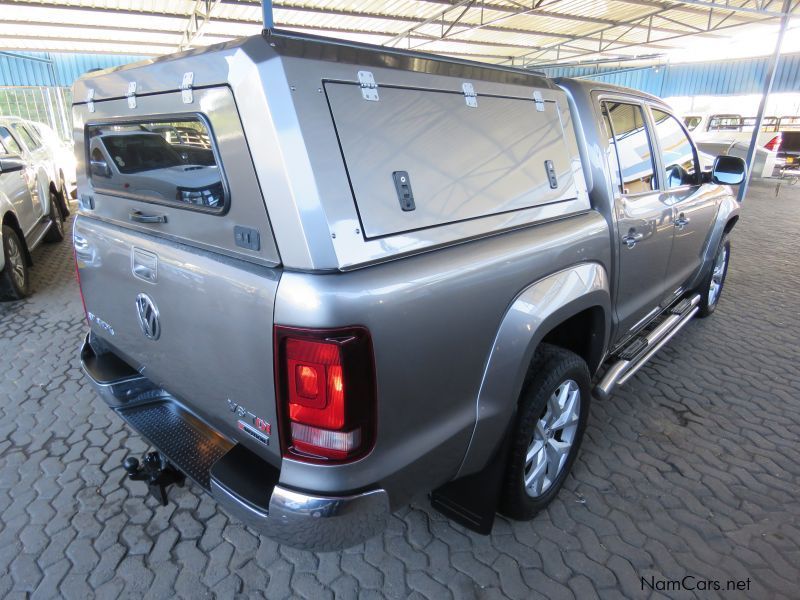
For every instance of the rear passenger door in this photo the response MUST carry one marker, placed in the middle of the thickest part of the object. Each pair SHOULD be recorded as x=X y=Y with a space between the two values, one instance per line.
x=643 y=218
x=694 y=205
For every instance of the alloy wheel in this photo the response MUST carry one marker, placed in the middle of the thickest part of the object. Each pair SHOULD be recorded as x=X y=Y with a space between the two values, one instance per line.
x=16 y=262
x=552 y=439
x=717 y=276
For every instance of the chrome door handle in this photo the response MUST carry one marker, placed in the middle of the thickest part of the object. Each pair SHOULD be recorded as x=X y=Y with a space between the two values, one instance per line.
x=681 y=222
x=140 y=217
x=631 y=239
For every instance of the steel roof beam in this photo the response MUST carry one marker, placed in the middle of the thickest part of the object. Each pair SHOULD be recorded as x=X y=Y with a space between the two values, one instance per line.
x=623 y=46
x=698 y=7
x=118 y=11
x=198 y=19
x=540 y=13
x=121 y=28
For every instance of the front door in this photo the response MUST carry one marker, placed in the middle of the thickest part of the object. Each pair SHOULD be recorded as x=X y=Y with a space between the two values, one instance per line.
x=644 y=220
x=694 y=205
x=26 y=198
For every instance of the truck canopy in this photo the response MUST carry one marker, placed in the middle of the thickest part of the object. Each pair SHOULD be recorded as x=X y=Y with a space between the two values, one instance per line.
x=360 y=154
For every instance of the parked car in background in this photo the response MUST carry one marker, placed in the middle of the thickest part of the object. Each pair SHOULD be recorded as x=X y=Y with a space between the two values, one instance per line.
x=29 y=214
x=730 y=134
x=409 y=274
x=63 y=153
x=41 y=156
x=789 y=149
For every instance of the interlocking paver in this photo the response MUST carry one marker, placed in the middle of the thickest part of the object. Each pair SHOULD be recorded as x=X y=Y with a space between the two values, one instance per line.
x=692 y=468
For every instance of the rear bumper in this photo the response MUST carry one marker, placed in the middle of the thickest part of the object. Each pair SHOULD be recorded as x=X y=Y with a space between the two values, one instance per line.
x=243 y=483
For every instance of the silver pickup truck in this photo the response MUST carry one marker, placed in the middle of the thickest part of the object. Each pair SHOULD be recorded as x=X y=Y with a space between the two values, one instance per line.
x=377 y=274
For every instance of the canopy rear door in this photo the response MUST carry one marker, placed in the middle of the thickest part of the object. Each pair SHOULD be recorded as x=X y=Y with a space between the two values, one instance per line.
x=462 y=163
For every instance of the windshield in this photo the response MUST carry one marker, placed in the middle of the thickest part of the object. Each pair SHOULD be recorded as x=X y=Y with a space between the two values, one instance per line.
x=133 y=153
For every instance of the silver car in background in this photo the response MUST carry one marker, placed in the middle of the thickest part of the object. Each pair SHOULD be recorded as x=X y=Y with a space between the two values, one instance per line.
x=30 y=208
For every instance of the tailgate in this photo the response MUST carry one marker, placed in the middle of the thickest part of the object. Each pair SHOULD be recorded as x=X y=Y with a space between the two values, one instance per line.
x=176 y=257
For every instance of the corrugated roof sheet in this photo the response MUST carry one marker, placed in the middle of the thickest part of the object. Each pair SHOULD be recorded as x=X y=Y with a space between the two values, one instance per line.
x=493 y=30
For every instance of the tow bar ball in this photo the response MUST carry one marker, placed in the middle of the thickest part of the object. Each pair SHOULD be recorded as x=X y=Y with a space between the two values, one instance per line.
x=156 y=472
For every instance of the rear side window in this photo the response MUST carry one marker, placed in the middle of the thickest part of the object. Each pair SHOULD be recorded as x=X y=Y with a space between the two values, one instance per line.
x=677 y=151
x=725 y=123
x=630 y=146
x=166 y=162
x=9 y=142
x=789 y=124
x=691 y=122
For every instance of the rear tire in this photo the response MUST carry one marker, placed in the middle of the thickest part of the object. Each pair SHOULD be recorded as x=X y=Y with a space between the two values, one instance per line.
x=55 y=233
x=552 y=416
x=14 y=279
x=711 y=288
x=65 y=197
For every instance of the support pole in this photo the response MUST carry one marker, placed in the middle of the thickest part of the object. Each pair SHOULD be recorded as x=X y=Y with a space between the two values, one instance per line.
x=266 y=8
x=772 y=68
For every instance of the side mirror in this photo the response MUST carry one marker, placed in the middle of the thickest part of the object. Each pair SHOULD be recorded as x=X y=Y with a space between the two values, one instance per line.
x=10 y=164
x=100 y=168
x=728 y=170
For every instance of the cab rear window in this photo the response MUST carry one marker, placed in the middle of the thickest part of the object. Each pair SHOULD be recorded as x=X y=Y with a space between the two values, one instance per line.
x=163 y=161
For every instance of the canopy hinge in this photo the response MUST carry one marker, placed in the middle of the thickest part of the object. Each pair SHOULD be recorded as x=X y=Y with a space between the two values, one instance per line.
x=369 y=89
x=469 y=94
x=131 y=94
x=186 y=87
x=90 y=99
x=537 y=98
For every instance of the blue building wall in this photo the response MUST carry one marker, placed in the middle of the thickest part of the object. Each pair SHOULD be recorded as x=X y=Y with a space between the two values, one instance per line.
x=53 y=69
x=721 y=78
x=733 y=77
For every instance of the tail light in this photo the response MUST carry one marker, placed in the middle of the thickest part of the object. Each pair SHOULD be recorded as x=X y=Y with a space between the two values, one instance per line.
x=774 y=144
x=325 y=383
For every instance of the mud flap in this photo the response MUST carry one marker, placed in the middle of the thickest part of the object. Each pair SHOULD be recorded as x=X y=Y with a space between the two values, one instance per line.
x=472 y=500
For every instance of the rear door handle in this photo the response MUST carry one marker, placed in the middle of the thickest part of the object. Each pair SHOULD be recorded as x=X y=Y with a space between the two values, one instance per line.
x=631 y=239
x=140 y=217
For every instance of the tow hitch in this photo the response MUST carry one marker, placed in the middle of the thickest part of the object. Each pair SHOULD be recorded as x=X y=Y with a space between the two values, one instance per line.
x=156 y=471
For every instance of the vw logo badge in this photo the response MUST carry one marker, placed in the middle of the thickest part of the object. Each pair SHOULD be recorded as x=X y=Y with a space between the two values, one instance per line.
x=148 y=316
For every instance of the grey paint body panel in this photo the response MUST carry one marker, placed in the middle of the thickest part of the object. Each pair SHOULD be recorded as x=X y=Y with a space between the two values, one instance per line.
x=216 y=323
x=537 y=310
x=433 y=319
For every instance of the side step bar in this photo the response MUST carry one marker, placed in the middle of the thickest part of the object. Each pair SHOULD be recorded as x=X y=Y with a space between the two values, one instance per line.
x=622 y=370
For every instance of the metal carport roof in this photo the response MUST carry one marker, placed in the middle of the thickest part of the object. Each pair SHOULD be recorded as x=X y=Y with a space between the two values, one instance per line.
x=519 y=32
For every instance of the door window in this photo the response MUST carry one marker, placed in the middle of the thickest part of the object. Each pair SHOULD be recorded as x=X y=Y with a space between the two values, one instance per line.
x=677 y=151
x=27 y=137
x=629 y=144
x=9 y=142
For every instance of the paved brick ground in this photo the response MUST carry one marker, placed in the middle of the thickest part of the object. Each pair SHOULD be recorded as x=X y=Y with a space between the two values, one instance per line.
x=692 y=469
